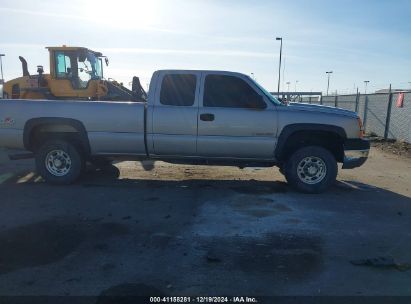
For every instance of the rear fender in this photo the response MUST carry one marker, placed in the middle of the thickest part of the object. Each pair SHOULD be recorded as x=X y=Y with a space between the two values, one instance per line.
x=55 y=125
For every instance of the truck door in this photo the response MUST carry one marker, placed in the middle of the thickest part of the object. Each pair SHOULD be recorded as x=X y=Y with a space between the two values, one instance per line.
x=175 y=114
x=235 y=120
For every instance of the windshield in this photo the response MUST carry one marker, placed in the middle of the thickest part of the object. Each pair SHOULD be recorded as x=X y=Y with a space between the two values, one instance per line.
x=90 y=67
x=266 y=93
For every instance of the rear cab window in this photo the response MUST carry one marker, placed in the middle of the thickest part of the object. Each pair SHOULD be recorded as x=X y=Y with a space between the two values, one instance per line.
x=178 y=90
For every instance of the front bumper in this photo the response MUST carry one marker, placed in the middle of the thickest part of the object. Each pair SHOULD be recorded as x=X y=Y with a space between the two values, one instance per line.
x=355 y=153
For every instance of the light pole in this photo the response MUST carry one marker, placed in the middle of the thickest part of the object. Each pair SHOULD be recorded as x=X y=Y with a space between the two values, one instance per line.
x=1 y=68
x=366 y=82
x=279 y=66
x=329 y=75
x=296 y=82
x=288 y=91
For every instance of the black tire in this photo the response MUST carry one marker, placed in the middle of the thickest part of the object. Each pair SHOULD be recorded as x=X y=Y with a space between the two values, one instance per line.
x=324 y=172
x=72 y=160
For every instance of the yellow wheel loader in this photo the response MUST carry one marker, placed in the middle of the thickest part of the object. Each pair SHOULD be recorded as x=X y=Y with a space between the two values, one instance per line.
x=76 y=73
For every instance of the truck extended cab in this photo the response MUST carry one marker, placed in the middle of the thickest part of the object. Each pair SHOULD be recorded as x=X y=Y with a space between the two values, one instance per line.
x=195 y=117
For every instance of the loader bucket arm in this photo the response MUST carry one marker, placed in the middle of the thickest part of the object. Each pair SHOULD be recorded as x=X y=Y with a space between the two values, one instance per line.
x=137 y=89
x=24 y=66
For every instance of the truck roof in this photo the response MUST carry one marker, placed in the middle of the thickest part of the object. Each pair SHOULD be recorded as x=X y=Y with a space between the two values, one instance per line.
x=198 y=71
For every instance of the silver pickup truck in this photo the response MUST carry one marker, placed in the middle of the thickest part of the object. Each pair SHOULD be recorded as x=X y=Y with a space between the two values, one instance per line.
x=194 y=117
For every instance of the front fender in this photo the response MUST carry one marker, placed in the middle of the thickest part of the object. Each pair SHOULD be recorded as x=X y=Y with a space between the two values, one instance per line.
x=291 y=129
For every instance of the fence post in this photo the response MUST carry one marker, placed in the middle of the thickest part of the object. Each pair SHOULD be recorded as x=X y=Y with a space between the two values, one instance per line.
x=388 y=119
x=357 y=101
x=365 y=111
x=336 y=101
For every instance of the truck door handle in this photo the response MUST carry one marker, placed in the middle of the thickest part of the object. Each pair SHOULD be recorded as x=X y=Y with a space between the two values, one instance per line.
x=207 y=117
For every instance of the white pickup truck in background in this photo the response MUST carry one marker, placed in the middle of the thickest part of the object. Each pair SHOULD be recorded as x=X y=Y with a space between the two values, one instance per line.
x=195 y=117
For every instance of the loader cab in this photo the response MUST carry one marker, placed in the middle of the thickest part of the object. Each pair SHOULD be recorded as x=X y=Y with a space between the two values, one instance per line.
x=75 y=72
x=80 y=66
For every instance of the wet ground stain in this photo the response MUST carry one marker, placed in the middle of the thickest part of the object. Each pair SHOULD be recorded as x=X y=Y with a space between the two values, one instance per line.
x=111 y=230
x=259 y=213
x=292 y=221
x=151 y=199
x=261 y=188
x=128 y=293
x=292 y=256
x=101 y=247
x=259 y=207
x=245 y=201
x=37 y=244
x=47 y=242
x=108 y=266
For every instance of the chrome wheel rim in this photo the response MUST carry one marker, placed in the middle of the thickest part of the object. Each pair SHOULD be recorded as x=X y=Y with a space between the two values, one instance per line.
x=311 y=170
x=58 y=162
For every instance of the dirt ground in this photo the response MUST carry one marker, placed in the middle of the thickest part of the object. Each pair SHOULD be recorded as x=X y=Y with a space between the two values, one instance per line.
x=180 y=230
x=400 y=148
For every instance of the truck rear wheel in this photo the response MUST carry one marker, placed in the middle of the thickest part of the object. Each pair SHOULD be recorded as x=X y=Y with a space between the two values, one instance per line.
x=311 y=169
x=59 y=162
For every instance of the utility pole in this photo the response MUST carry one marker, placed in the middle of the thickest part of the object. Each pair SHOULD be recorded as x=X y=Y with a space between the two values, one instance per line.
x=279 y=66
x=2 y=77
x=366 y=82
x=283 y=77
x=296 y=82
x=1 y=68
x=328 y=84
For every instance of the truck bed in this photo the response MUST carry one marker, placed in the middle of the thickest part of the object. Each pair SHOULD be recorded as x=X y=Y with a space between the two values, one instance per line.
x=112 y=127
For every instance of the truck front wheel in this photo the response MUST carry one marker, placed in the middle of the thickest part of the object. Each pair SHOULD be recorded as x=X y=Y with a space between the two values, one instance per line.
x=311 y=169
x=59 y=162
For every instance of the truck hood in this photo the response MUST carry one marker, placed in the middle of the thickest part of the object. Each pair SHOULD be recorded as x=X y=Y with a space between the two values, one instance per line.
x=322 y=109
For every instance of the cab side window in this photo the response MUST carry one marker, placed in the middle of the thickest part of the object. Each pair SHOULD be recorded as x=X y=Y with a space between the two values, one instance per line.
x=178 y=90
x=230 y=92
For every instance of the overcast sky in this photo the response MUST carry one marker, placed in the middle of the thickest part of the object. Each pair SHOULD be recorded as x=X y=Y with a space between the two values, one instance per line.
x=358 y=40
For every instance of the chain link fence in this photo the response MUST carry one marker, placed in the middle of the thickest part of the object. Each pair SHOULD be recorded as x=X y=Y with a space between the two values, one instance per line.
x=380 y=114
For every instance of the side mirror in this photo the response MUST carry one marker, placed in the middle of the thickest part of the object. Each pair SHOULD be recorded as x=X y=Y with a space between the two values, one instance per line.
x=106 y=60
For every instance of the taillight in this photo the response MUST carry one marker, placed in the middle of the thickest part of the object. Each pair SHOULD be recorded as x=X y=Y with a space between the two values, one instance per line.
x=361 y=126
